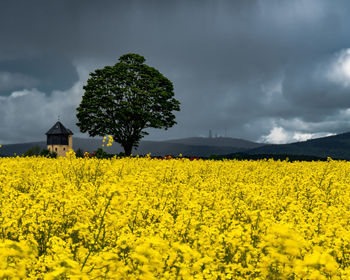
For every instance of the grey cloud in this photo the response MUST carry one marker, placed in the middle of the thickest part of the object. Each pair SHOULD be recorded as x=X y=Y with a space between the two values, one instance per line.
x=309 y=88
x=43 y=72
x=26 y=115
x=243 y=67
x=13 y=81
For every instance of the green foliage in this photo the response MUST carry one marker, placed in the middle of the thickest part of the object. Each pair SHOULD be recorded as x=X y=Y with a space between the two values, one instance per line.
x=47 y=153
x=125 y=99
x=100 y=153
x=121 y=154
x=215 y=157
x=79 y=153
x=36 y=151
x=33 y=151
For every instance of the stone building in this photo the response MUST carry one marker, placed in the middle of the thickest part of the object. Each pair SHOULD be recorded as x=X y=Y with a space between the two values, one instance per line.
x=59 y=139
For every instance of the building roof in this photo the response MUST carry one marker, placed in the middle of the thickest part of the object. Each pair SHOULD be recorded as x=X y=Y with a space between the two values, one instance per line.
x=59 y=128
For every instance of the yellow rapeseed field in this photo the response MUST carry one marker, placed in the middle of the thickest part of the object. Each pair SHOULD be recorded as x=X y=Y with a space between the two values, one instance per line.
x=143 y=218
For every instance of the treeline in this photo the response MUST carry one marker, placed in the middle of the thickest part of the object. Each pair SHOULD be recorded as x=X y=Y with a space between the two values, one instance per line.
x=37 y=151
x=102 y=154
x=238 y=156
x=282 y=157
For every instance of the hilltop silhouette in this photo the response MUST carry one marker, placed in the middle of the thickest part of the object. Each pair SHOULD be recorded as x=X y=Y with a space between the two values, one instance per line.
x=336 y=146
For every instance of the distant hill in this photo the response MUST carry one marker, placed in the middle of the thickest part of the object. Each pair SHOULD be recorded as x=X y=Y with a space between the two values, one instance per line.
x=157 y=148
x=196 y=146
x=19 y=149
x=169 y=148
x=217 y=142
x=337 y=147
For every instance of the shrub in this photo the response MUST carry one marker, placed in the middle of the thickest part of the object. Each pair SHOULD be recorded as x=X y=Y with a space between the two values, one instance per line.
x=33 y=151
x=47 y=153
x=100 y=153
x=79 y=153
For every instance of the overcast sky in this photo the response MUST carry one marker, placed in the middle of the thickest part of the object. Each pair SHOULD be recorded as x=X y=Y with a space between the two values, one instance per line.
x=270 y=70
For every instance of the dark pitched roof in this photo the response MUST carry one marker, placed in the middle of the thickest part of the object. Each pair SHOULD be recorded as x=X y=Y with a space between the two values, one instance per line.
x=59 y=128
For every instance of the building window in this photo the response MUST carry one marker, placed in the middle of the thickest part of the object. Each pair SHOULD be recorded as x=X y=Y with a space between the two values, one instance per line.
x=64 y=149
x=56 y=149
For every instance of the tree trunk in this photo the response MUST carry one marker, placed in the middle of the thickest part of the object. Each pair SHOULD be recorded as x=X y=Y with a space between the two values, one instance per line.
x=127 y=148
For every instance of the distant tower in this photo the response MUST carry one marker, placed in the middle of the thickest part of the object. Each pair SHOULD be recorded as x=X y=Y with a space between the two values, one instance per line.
x=210 y=135
x=59 y=139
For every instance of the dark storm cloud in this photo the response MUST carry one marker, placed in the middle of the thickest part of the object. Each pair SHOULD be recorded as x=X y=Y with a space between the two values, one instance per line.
x=42 y=72
x=245 y=67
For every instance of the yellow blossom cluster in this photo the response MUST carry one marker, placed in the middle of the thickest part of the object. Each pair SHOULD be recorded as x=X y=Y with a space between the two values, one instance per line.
x=110 y=141
x=144 y=218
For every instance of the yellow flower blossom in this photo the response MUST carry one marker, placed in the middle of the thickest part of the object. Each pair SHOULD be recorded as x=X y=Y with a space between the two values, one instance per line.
x=144 y=218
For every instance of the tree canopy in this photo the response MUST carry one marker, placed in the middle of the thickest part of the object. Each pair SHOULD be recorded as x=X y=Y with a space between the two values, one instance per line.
x=125 y=99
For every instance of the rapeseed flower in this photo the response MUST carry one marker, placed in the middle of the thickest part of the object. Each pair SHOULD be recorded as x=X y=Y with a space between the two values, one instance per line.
x=143 y=218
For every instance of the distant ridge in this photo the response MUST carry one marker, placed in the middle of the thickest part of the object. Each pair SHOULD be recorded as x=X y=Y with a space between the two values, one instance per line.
x=337 y=147
x=20 y=148
x=195 y=146
x=217 y=142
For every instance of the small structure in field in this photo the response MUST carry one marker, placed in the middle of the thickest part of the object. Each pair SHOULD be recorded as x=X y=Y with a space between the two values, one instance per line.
x=59 y=139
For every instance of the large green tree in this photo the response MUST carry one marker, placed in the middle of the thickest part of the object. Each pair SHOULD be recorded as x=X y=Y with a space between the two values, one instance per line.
x=125 y=99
